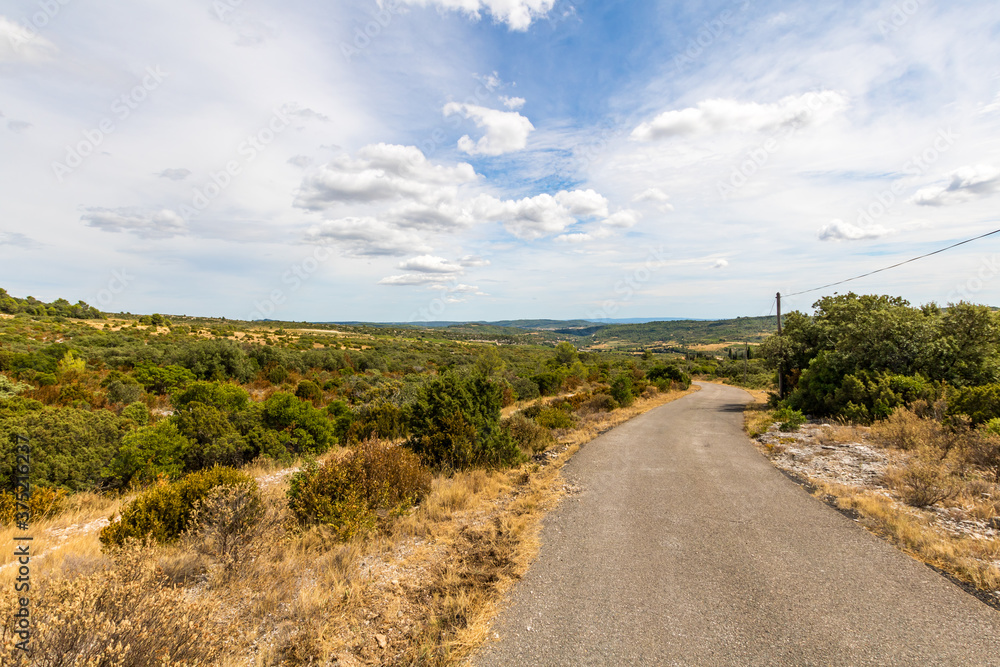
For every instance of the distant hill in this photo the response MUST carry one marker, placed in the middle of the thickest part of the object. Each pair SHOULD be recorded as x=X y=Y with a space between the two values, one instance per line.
x=633 y=332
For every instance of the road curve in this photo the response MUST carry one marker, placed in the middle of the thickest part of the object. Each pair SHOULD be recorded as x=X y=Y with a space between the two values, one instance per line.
x=686 y=547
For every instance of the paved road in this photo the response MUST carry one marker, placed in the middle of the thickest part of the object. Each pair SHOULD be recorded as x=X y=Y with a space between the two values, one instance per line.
x=686 y=547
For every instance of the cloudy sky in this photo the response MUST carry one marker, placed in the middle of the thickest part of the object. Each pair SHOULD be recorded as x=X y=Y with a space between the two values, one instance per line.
x=489 y=159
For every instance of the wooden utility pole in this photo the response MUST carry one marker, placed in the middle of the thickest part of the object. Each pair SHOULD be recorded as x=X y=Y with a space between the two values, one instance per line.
x=781 y=359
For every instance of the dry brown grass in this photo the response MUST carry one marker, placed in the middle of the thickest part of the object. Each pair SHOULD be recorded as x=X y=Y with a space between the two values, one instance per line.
x=421 y=591
x=757 y=417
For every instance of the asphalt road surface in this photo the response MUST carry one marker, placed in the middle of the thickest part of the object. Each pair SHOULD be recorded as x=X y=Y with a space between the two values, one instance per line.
x=686 y=547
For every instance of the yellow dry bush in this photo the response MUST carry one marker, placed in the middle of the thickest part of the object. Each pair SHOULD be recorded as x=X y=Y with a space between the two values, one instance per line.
x=924 y=480
x=122 y=615
x=45 y=503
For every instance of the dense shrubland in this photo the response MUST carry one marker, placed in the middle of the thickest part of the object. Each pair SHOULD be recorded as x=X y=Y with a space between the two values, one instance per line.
x=252 y=472
x=124 y=403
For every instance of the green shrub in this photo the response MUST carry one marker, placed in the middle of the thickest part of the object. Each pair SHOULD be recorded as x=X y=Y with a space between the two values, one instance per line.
x=455 y=424
x=70 y=447
x=228 y=397
x=309 y=391
x=790 y=419
x=164 y=511
x=552 y=417
x=162 y=379
x=302 y=428
x=147 y=453
x=525 y=388
x=621 y=389
x=981 y=404
x=124 y=392
x=137 y=412
x=548 y=383
x=527 y=435
x=351 y=492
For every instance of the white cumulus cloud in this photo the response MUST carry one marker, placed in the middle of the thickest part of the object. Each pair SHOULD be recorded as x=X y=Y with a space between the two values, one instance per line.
x=513 y=103
x=964 y=184
x=506 y=131
x=380 y=172
x=430 y=264
x=625 y=219
x=838 y=230
x=517 y=14
x=726 y=115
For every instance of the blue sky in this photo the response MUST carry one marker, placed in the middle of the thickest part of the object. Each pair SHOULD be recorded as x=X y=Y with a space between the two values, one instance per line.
x=495 y=159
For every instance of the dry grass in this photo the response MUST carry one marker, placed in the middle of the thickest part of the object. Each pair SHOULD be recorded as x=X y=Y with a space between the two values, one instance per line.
x=757 y=417
x=422 y=591
x=973 y=561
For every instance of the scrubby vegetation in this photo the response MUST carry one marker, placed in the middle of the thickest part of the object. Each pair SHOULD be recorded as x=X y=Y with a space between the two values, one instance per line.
x=250 y=471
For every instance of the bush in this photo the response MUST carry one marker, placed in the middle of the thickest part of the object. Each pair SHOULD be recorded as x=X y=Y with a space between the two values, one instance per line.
x=227 y=397
x=45 y=502
x=309 y=391
x=162 y=379
x=981 y=404
x=224 y=521
x=525 y=388
x=148 y=453
x=904 y=429
x=126 y=613
x=790 y=419
x=552 y=417
x=163 y=512
x=924 y=480
x=548 y=383
x=137 y=412
x=598 y=403
x=303 y=429
x=348 y=493
x=124 y=392
x=984 y=449
x=455 y=424
x=621 y=390
x=70 y=447
x=527 y=435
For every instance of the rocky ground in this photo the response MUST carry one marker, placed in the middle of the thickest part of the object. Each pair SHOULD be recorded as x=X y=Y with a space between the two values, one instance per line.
x=846 y=455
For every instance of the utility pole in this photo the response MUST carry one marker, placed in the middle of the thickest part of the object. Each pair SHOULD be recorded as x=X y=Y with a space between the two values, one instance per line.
x=781 y=359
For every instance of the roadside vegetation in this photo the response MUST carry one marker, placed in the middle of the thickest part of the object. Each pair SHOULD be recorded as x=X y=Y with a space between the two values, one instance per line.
x=903 y=405
x=216 y=492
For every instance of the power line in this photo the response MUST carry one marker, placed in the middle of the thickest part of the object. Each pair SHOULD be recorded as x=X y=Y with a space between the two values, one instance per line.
x=870 y=273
